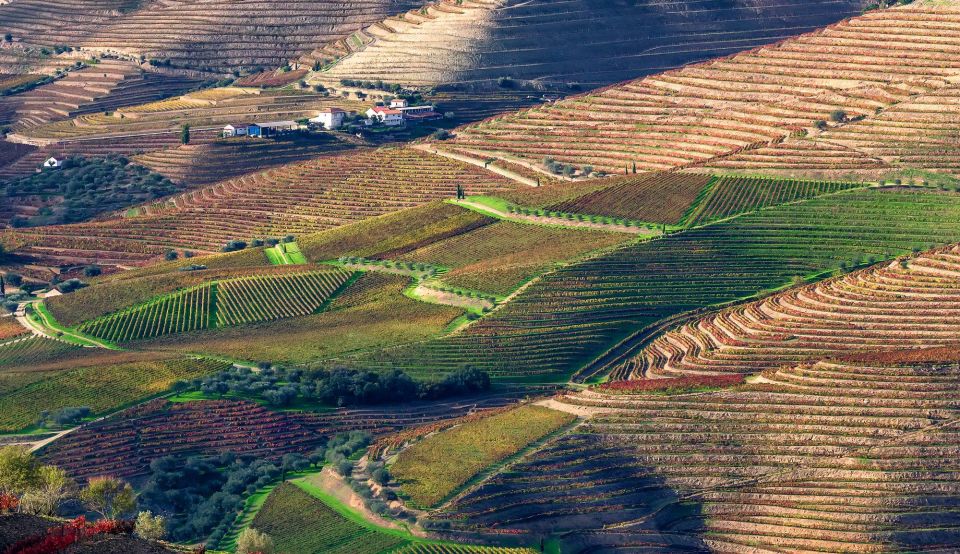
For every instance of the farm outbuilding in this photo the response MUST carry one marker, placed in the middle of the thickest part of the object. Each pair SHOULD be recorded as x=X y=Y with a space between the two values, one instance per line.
x=271 y=129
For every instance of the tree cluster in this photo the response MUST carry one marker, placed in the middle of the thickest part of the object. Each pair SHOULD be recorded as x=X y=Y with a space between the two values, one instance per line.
x=374 y=85
x=339 y=386
x=198 y=496
x=83 y=188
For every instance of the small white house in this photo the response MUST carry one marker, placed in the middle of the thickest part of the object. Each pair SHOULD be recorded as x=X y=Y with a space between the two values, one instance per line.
x=52 y=163
x=235 y=130
x=399 y=103
x=388 y=116
x=330 y=118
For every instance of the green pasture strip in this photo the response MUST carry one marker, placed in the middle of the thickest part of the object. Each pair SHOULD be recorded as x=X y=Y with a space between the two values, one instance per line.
x=274 y=256
x=285 y=253
x=293 y=253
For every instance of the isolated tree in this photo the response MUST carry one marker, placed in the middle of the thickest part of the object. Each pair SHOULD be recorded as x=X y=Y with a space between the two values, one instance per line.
x=19 y=470
x=185 y=134
x=838 y=116
x=170 y=255
x=52 y=489
x=110 y=497
x=820 y=124
x=150 y=527
x=251 y=540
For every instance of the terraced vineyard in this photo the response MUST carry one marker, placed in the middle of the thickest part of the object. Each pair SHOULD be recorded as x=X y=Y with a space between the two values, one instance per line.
x=203 y=164
x=499 y=257
x=826 y=457
x=27 y=351
x=207 y=35
x=465 y=42
x=179 y=312
x=297 y=198
x=208 y=109
x=395 y=234
x=254 y=299
x=656 y=197
x=735 y=195
x=917 y=133
x=220 y=303
x=125 y=445
x=906 y=304
x=370 y=314
x=573 y=315
x=10 y=328
x=427 y=477
x=105 y=86
x=460 y=549
x=101 y=388
x=732 y=106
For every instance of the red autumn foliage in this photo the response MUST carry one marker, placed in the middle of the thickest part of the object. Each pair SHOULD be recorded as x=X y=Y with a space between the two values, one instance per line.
x=674 y=384
x=912 y=355
x=59 y=538
x=8 y=502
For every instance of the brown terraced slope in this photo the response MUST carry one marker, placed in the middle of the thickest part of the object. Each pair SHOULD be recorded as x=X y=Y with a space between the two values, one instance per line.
x=199 y=34
x=893 y=73
x=827 y=456
x=911 y=303
x=590 y=42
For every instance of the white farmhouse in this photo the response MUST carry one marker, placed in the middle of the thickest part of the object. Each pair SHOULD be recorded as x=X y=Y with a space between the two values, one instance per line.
x=388 y=116
x=330 y=118
x=235 y=130
x=52 y=163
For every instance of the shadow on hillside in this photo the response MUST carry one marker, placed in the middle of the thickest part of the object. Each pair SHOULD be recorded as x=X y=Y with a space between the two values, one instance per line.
x=587 y=493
